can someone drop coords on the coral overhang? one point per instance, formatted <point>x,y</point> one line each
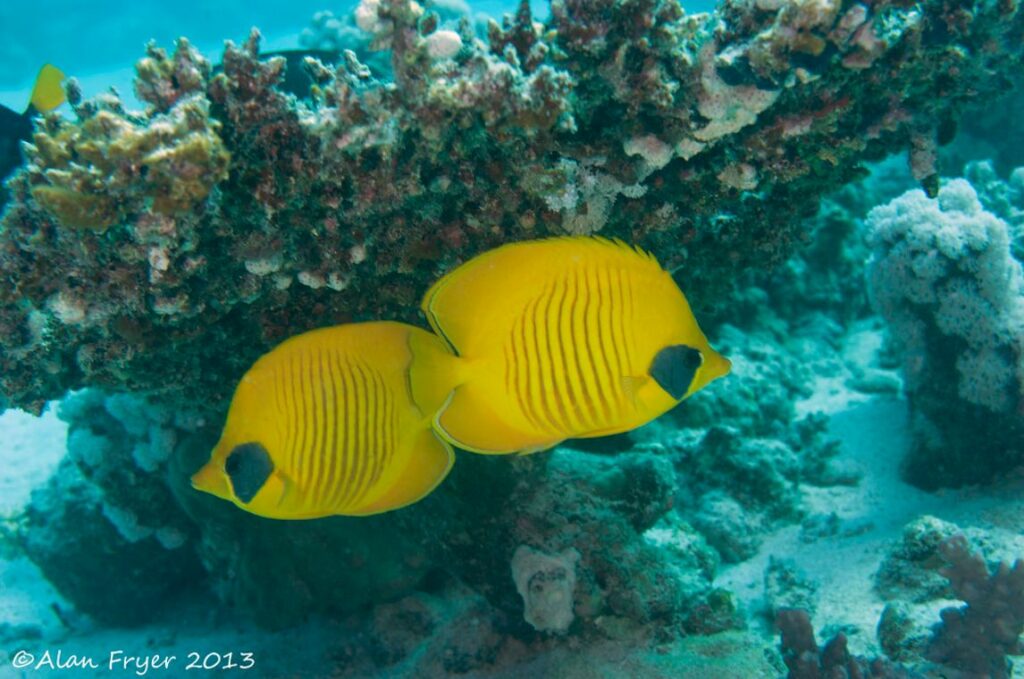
<point>704,138</point>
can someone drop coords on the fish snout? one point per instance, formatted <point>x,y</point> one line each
<point>714,366</point>
<point>212,479</point>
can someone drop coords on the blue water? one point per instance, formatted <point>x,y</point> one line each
<point>88,38</point>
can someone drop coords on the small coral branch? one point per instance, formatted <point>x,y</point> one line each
<point>230,214</point>
<point>976,638</point>
<point>805,660</point>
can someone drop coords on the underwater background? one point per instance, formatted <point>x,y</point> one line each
<point>837,187</point>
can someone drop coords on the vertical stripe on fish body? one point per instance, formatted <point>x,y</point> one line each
<point>326,424</point>
<point>560,338</point>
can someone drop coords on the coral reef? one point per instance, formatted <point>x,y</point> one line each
<point>735,487</point>
<point>708,139</point>
<point>552,542</point>
<point>582,515</point>
<point>111,167</point>
<point>912,571</point>
<point>942,275</point>
<point>932,564</point>
<point>705,138</point>
<point>786,587</point>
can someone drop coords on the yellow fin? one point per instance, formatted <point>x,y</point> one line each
<point>48,93</point>
<point>429,465</point>
<point>467,416</point>
<point>433,371</point>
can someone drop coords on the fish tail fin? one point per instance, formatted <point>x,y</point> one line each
<point>47,94</point>
<point>434,371</point>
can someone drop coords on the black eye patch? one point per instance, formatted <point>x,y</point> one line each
<point>674,369</point>
<point>248,466</point>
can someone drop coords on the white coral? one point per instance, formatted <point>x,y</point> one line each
<point>946,263</point>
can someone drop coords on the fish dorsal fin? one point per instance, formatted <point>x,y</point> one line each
<point>47,94</point>
<point>484,295</point>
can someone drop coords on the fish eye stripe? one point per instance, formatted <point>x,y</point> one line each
<point>248,467</point>
<point>675,367</point>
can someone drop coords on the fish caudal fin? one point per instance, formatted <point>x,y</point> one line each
<point>430,461</point>
<point>469,421</point>
<point>434,371</point>
<point>48,93</point>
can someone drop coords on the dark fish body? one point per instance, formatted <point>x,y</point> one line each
<point>14,129</point>
<point>47,94</point>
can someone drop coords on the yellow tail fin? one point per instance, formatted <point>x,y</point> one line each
<point>434,372</point>
<point>48,93</point>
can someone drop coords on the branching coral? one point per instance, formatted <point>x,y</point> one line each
<point>805,660</point>
<point>942,276</point>
<point>111,166</point>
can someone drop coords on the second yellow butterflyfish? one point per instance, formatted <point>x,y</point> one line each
<point>326,424</point>
<point>553,339</point>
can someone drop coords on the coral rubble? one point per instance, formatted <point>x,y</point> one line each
<point>230,215</point>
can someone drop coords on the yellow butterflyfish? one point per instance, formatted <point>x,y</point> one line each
<point>325,424</point>
<point>48,93</point>
<point>562,338</point>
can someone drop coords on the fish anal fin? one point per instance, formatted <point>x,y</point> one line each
<point>538,449</point>
<point>469,421</point>
<point>430,461</point>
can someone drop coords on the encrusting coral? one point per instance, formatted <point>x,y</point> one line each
<point>704,138</point>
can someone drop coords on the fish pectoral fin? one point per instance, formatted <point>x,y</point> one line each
<point>286,485</point>
<point>468,421</point>
<point>430,461</point>
<point>631,386</point>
